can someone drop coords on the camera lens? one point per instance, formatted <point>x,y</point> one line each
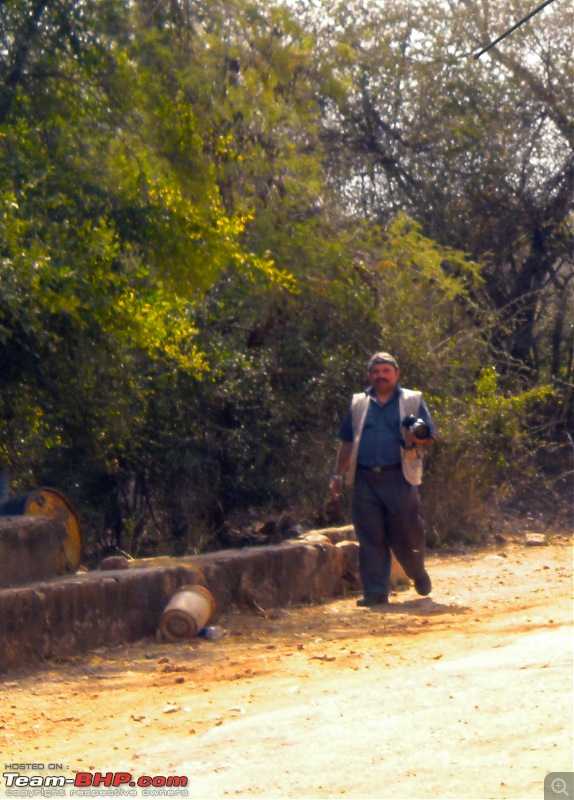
<point>420,429</point>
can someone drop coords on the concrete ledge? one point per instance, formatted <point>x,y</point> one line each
<point>30,549</point>
<point>71,615</point>
<point>280,575</point>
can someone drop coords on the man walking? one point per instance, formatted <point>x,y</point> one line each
<point>381,451</point>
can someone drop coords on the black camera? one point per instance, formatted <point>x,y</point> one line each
<point>418,426</point>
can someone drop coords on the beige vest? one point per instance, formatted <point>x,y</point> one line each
<point>412,460</point>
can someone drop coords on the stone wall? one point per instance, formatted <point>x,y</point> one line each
<point>70,615</point>
<point>30,548</point>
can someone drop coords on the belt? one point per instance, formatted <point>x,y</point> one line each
<point>381,469</point>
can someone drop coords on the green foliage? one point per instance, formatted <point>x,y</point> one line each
<point>428,309</point>
<point>211,217</point>
<point>485,454</point>
<point>478,152</point>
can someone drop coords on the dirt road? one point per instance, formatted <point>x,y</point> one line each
<point>464,694</point>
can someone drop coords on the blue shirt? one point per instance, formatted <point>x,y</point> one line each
<point>381,442</point>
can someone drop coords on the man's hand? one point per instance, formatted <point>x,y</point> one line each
<point>336,486</point>
<point>410,439</point>
<point>341,466</point>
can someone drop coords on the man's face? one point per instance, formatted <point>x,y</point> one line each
<point>383,376</point>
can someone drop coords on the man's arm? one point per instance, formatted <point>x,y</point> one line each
<point>341,465</point>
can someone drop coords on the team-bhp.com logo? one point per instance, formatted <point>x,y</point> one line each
<point>93,780</point>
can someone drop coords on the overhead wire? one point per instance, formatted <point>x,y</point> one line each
<point>476,56</point>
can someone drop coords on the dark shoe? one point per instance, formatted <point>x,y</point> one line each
<point>373,600</point>
<point>423,584</point>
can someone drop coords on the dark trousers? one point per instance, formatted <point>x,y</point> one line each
<point>386,517</point>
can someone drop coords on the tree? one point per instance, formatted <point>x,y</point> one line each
<point>203,238</point>
<point>478,151</point>
<point>105,243</point>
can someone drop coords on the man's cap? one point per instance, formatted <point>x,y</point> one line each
<point>382,358</point>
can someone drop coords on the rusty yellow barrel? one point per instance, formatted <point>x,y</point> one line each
<point>52,504</point>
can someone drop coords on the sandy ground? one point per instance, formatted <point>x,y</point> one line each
<point>465,694</point>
